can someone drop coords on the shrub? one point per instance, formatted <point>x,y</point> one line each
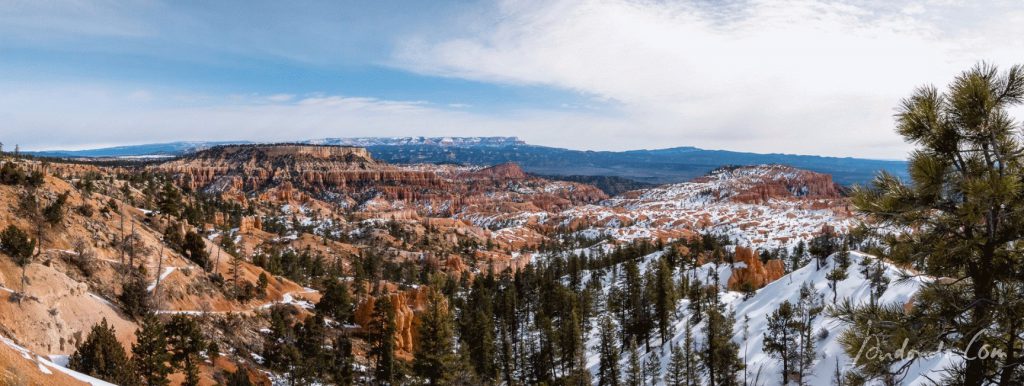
<point>102,356</point>
<point>54,213</point>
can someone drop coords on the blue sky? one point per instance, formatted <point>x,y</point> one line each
<point>797,76</point>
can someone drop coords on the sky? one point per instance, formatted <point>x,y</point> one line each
<point>802,77</point>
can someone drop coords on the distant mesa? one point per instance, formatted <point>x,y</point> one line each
<point>288,150</point>
<point>659,166</point>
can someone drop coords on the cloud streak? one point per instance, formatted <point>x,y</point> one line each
<point>799,76</point>
<point>48,117</point>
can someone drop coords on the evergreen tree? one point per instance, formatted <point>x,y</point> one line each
<point>807,310</point>
<point>434,357</point>
<point>150,357</point>
<point>310,341</point>
<point>780,339</point>
<point>15,242</point>
<point>382,340</point>
<point>54,213</point>
<point>194,248</point>
<point>238,378</point>
<point>169,200</point>
<point>634,371</point>
<point>476,326</point>
<point>652,367</point>
<point>835,276</point>
<point>692,366</point>
<point>336,302</point>
<point>665,299</point>
<point>186,341</point>
<point>608,373</point>
<point>719,353</point>
<point>822,246</point>
<point>342,361</point>
<point>280,348</point>
<point>677,372</point>
<point>134,297</point>
<point>102,356</point>
<point>962,212</point>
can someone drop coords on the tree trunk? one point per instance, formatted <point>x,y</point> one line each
<point>1010,364</point>
<point>974,374</point>
<point>122,237</point>
<point>159,272</point>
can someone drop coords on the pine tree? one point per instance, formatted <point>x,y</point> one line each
<point>477,330</point>
<point>962,211</point>
<point>102,356</point>
<point>665,299</point>
<point>806,312</point>
<point>169,200</point>
<point>434,357</point>
<point>652,367</point>
<point>19,246</point>
<point>677,374</point>
<point>280,351</point>
<point>238,378</point>
<point>780,339</point>
<point>54,213</point>
<point>608,373</point>
<point>382,340</point>
<point>634,371</point>
<point>150,357</point>
<point>194,248</point>
<point>311,339</point>
<point>835,276</point>
<point>719,353</point>
<point>134,297</point>
<point>342,361</point>
<point>336,302</point>
<point>692,367</point>
<point>185,338</point>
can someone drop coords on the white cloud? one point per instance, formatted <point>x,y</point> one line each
<point>55,116</point>
<point>799,76</point>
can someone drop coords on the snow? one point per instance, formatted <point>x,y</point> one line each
<point>46,365</point>
<point>163,275</point>
<point>706,204</point>
<point>767,299</point>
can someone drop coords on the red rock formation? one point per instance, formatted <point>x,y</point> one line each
<point>407,305</point>
<point>758,184</point>
<point>753,274</point>
<point>505,171</point>
<point>250,223</point>
<point>296,173</point>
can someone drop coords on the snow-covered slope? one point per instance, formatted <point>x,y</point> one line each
<point>767,300</point>
<point>764,206</point>
<point>35,369</point>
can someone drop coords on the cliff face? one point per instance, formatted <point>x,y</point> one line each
<point>754,274</point>
<point>758,184</point>
<point>348,174</point>
<point>407,305</point>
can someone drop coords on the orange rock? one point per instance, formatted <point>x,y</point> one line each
<point>407,305</point>
<point>755,274</point>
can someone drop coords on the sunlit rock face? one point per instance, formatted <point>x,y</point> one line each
<point>290,173</point>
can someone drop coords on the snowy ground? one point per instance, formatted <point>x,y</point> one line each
<point>46,366</point>
<point>767,299</point>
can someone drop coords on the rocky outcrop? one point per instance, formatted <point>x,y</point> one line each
<point>749,273</point>
<point>249,224</point>
<point>505,171</point>
<point>758,184</point>
<point>297,173</point>
<point>407,305</point>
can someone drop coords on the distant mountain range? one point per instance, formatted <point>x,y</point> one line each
<point>658,166</point>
